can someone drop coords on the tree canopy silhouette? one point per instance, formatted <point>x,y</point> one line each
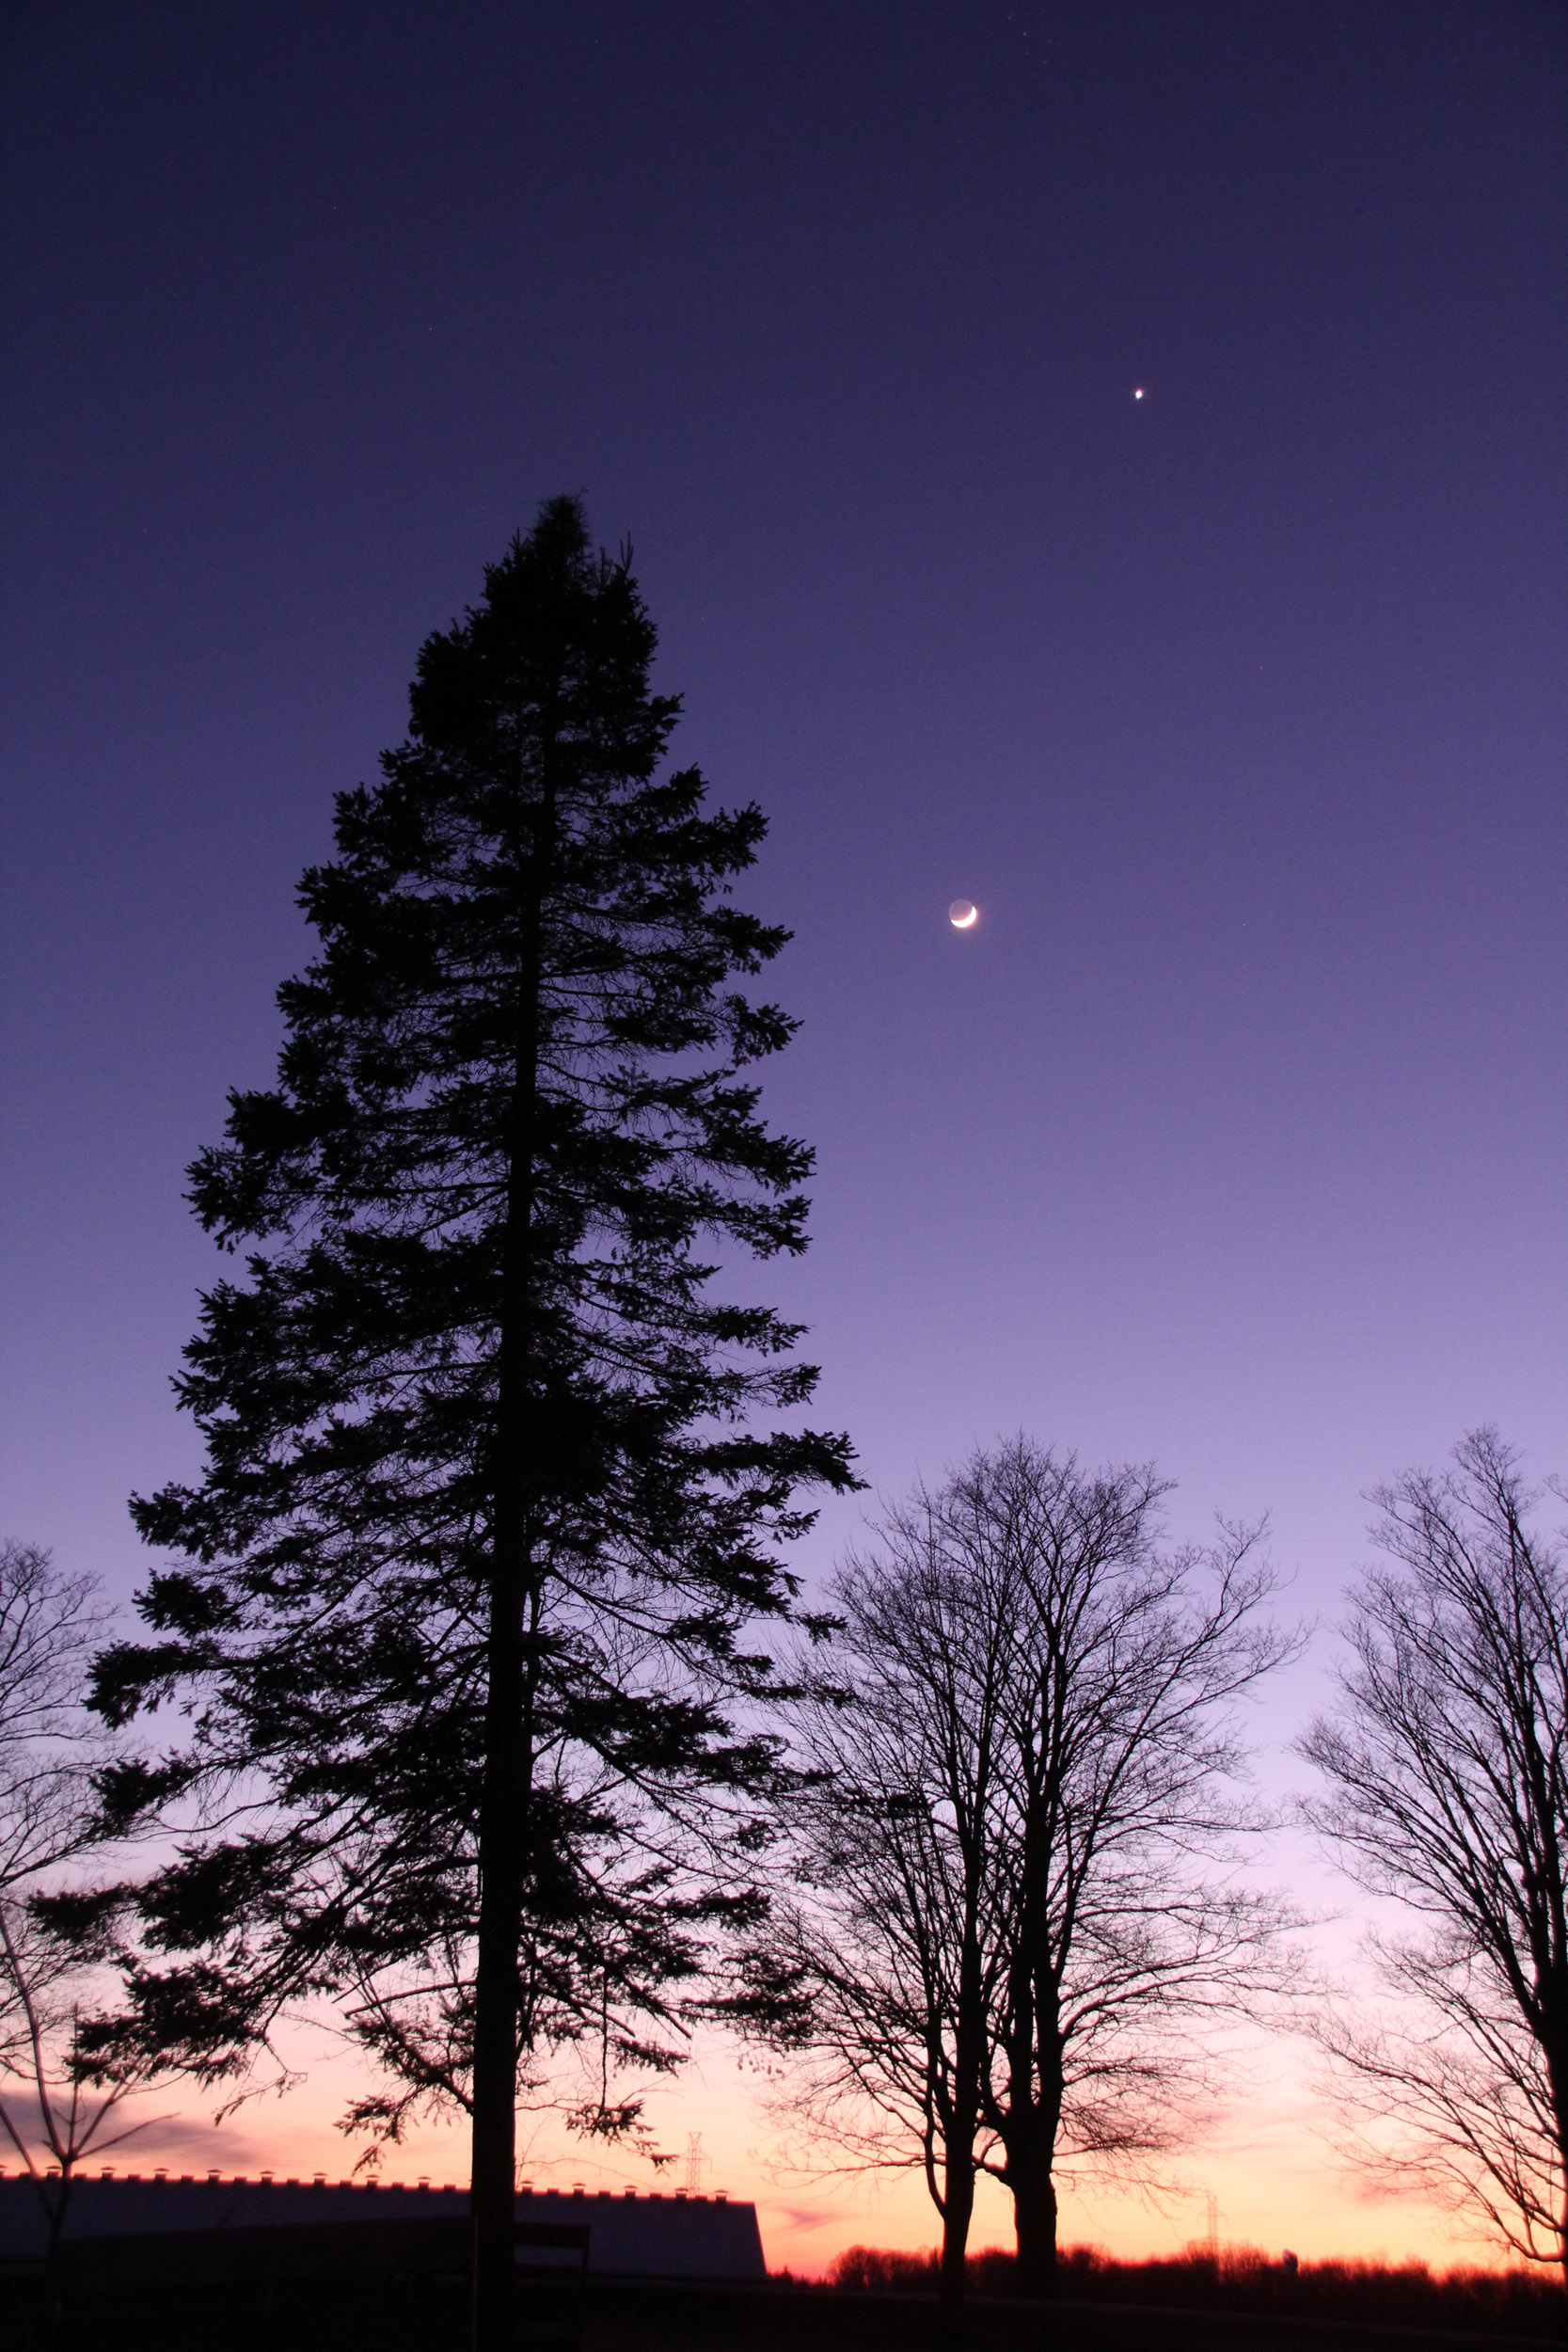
<point>1016,1840</point>
<point>458,1621</point>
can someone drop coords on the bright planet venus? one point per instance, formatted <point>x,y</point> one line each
<point>963,915</point>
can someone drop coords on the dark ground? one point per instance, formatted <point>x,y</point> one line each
<point>672,2318</point>
<point>675,2319</point>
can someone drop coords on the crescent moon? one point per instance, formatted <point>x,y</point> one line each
<point>963,915</point>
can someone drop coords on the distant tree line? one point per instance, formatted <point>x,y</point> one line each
<point>474,1691</point>
<point>1243,2279</point>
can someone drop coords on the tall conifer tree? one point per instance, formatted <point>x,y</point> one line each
<point>461,1599</point>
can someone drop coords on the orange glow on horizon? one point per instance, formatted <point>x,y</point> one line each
<point>1269,2165</point>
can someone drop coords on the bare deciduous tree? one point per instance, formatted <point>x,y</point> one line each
<point>49,1624</point>
<point>1018,1839</point>
<point>1444,1767</point>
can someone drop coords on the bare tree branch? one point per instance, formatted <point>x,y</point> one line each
<point>49,1624</point>
<point>1444,1772</point>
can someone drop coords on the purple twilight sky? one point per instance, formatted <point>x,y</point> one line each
<point>1234,1134</point>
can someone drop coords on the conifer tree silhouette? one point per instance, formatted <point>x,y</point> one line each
<point>460,1602</point>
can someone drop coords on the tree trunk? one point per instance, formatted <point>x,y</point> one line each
<point>495,1993</point>
<point>503,1827</point>
<point>1036,2084</point>
<point>1028,2126</point>
<point>1035,2223</point>
<point>957,2185</point>
<point>53,2311</point>
<point>958,2211</point>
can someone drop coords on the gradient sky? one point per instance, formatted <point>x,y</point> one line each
<point>1235,1133</point>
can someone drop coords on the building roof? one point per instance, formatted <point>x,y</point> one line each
<point>651,2236</point>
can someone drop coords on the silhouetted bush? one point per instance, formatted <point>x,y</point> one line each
<point>880,2270</point>
<point>1243,2279</point>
